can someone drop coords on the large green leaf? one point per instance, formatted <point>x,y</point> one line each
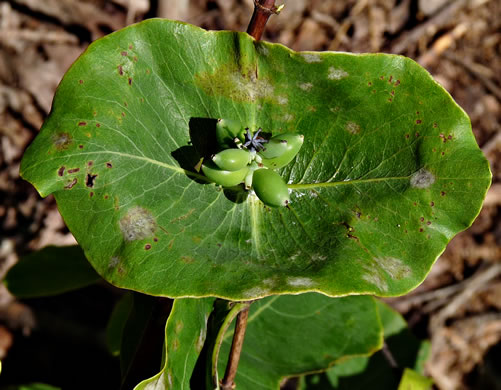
<point>389,171</point>
<point>185,333</point>
<point>50,271</point>
<point>290,335</point>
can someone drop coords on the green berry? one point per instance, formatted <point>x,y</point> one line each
<point>232,159</point>
<point>281,150</point>
<point>270,188</point>
<point>226,132</point>
<point>223,177</point>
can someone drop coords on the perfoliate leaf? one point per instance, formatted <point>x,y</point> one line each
<point>388,173</point>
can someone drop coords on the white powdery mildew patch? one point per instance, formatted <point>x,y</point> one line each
<point>300,282</point>
<point>318,256</point>
<point>114,261</point>
<point>376,279</point>
<point>336,74</point>
<point>394,267</point>
<point>269,282</point>
<point>306,86</point>
<point>256,292</point>
<point>201,339</point>
<point>311,57</point>
<point>158,384</point>
<point>288,117</point>
<point>137,224</point>
<point>422,179</point>
<point>254,88</point>
<point>352,127</point>
<point>282,99</point>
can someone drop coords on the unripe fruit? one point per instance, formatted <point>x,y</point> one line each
<point>232,159</point>
<point>223,177</point>
<point>270,188</point>
<point>281,150</point>
<point>226,132</point>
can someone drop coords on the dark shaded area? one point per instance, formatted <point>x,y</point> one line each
<point>67,347</point>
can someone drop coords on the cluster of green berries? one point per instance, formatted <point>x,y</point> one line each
<point>249,158</point>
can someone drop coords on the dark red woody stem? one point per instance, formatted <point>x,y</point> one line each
<point>236,348</point>
<point>263,9</point>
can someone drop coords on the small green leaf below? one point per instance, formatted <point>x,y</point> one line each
<point>388,173</point>
<point>185,333</point>
<point>50,271</point>
<point>33,386</point>
<point>294,334</point>
<point>117,321</point>
<point>375,372</point>
<point>411,380</point>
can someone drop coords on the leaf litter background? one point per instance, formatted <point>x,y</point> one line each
<point>459,305</point>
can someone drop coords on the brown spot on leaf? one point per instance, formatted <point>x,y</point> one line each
<point>98,124</point>
<point>147,247</point>
<point>421,230</point>
<point>108,165</point>
<point>435,125</point>
<point>82,123</point>
<point>155,239</point>
<point>89,180</point>
<point>390,100</point>
<point>428,223</point>
<point>106,196</point>
<point>130,80</point>
<point>418,121</point>
<point>80,146</point>
<point>60,171</point>
<point>123,114</point>
<point>417,134</point>
<point>125,104</point>
<point>91,194</point>
<point>73,170</point>
<point>90,163</point>
<point>124,54</point>
<point>71,184</point>
<point>407,136</point>
<point>135,59</point>
<point>432,204</point>
<point>381,77</point>
<point>120,70</point>
<point>80,81</point>
<point>421,219</point>
<point>390,79</point>
<point>369,83</point>
<point>442,193</point>
<point>187,259</point>
<point>397,83</point>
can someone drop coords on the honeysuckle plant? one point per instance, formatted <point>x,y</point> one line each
<point>384,171</point>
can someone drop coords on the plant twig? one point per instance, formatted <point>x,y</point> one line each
<point>263,9</point>
<point>236,349</point>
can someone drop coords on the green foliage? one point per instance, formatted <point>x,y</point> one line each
<point>375,372</point>
<point>50,271</point>
<point>185,333</point>
<point>291,335</point>
<point>117,321</point>
<point>388,173</point>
